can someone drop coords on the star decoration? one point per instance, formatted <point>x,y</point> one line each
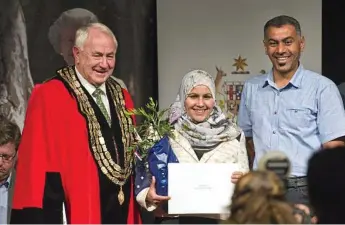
<point>240,63</point>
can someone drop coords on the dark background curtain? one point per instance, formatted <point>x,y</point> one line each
<point>333,33</point>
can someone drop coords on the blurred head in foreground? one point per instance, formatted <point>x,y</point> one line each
<point>259,197</point>
<point>326,185</point>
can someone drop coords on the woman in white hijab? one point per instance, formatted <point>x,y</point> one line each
<point>202,134</point>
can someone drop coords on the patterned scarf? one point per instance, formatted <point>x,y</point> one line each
<point>209,133</point>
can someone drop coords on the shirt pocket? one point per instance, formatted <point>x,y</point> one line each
<point>297,118</point>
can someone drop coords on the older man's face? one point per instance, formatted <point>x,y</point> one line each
<point>96,60</point>
<point>66,44</point>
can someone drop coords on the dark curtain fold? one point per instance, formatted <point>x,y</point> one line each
<point>332,40</point>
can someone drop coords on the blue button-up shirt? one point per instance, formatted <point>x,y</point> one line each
<point>296,119</point>
<point>4,200</point>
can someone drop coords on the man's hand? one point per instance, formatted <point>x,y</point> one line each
<point>236,176</point>
<point>303,219</point>
<point>338,142</point>
<point>152,197</point>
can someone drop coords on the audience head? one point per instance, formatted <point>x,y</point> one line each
<point>9,141</point>
<point>326,184</point>
<point>275,161</point>
<point>259,197</point>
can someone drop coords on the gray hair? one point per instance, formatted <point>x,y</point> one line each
<point>73,18</point>
<point>83,32</point>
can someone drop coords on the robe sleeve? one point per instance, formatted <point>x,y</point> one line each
<point>38,192</point>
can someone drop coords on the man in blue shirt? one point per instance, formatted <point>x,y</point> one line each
<point>290,109</point>
<point>9,141</point>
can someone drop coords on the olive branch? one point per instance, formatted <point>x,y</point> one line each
<point>154,127</point>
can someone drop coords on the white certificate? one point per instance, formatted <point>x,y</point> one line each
<point>200,188</point>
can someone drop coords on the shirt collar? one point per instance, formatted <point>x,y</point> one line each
<point>295,81</point>
<point>7,182</point>
<point>89,87</point>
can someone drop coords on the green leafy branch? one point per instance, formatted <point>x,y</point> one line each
<point>154,127</point>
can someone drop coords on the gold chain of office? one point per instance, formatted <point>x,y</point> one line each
<point>113,171</point>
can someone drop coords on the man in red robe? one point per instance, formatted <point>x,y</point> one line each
<point>75,141</point>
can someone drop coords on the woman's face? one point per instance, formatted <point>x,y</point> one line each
<point>199,103</point>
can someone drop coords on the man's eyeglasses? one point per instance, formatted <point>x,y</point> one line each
<point>7,158</point>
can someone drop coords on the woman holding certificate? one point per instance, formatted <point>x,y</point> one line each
<point>201,134</point>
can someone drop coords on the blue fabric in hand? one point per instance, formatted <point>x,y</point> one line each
<point>158,158</point>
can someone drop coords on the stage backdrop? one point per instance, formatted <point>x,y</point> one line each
<point>204,34</point>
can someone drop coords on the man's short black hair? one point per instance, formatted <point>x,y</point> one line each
<point>282,20</point>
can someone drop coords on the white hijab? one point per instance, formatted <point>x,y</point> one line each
<point>208,134</point>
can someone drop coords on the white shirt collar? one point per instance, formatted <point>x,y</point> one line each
<point>9,177</point>
<point>8,180</point>
<point>89,87</point>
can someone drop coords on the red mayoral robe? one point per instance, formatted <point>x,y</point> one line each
<point>70,154</point>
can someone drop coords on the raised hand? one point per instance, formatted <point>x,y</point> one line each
<point>152,197</point>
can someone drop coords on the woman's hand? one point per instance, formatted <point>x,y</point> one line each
<point>152,198</point>
<point>236,176</point>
